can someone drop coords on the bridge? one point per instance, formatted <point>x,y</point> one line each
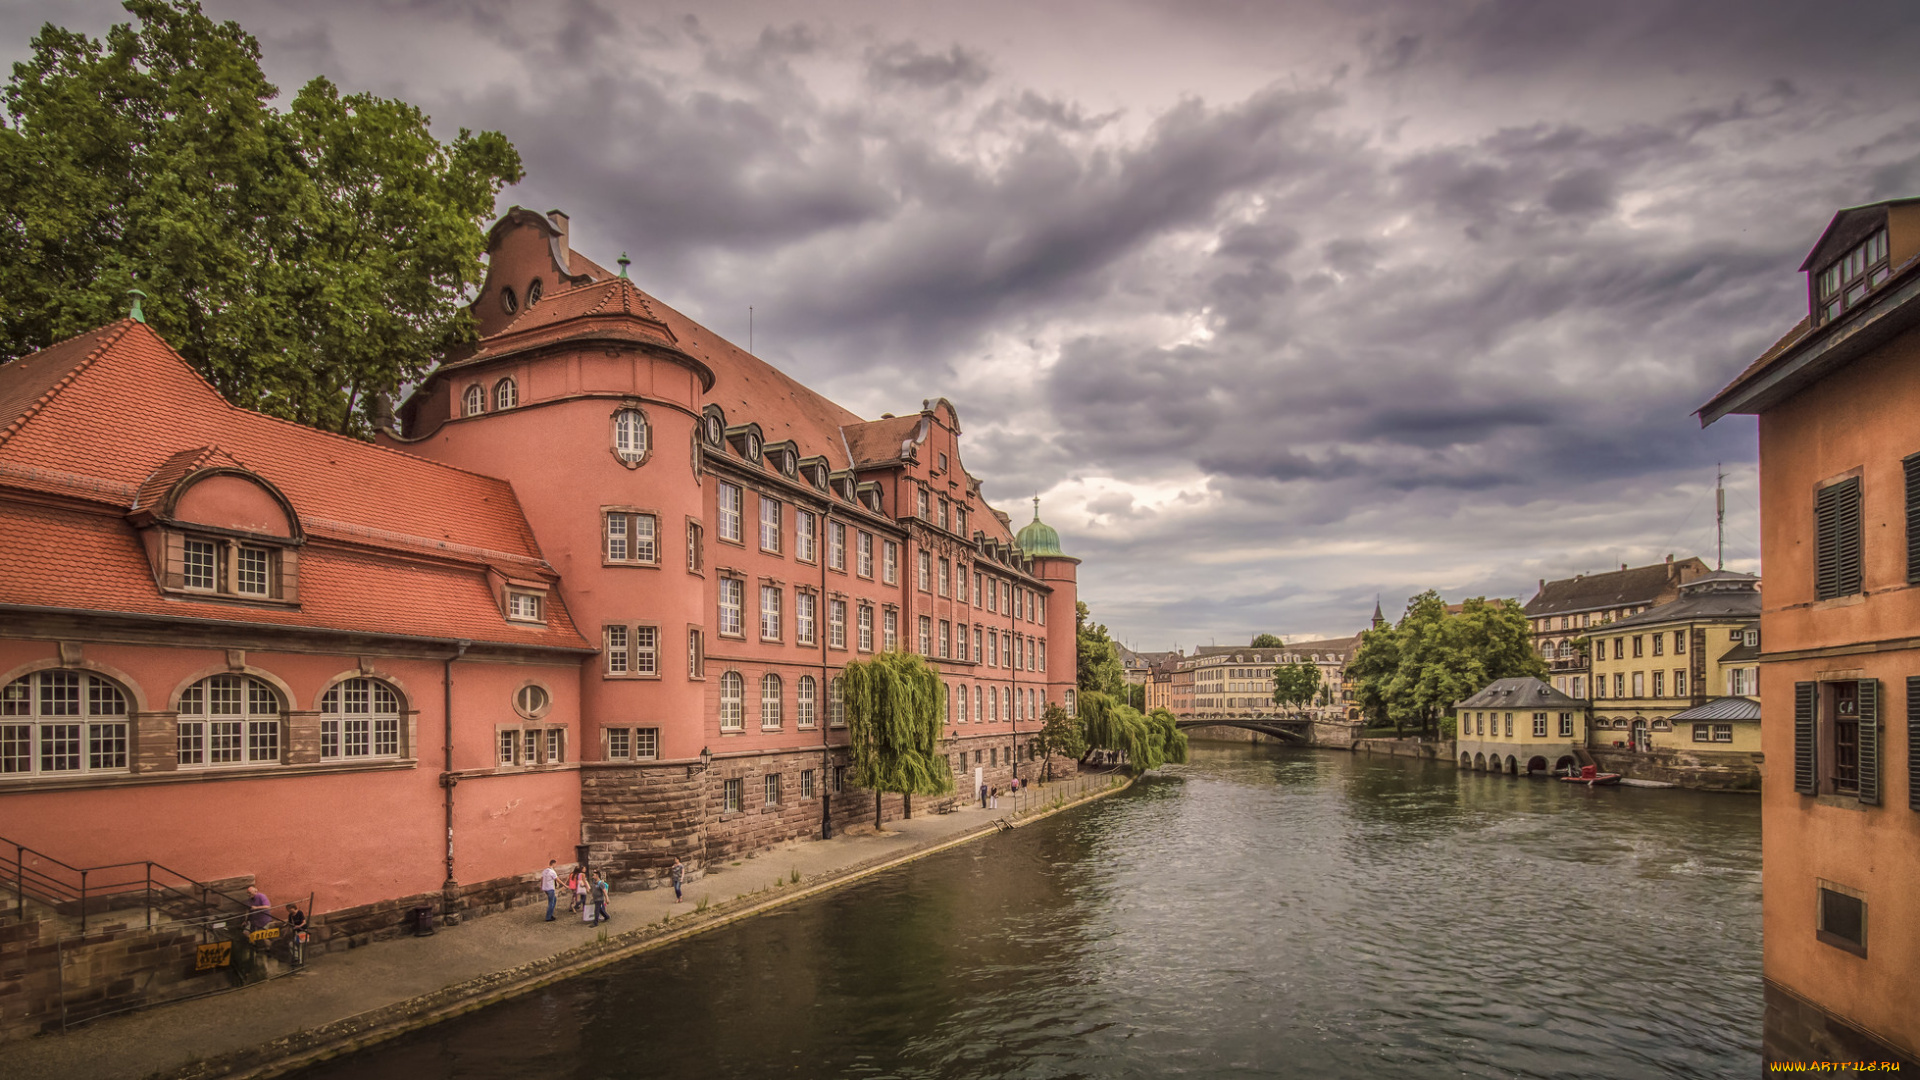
<point>1302,730</point>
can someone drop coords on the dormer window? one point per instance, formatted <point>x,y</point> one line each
<point>506,394</point>
<point>716,427</point>
<point>508,303</point>
<point>1846,282</point>
<point>475,401</point>
<point>752,446</point>
<point>534,289</point>
<point>818,475</point>
<point>524,606</point>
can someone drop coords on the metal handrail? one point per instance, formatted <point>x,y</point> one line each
<point>40,882</point>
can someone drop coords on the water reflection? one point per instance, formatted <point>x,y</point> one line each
<point>1261,911</point>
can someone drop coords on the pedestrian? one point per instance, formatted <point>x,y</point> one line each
<point>259,909</point>
<point>993,798</point>
<point>679,873</point>
<point>983,796</point>
<point>548,879</point>
<point>573,890</point>
<point>296,935</point>
<point>586,895</point>
<point>582,884</point>
<point>601,888</point>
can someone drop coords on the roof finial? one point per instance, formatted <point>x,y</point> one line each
<point>624,263</point>
<point>136,314</point>
<point>1036,507</point>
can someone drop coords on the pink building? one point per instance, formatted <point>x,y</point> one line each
<point>608,549</point>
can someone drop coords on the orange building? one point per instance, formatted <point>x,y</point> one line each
<point>1840,622</point>
<point>590,602</point>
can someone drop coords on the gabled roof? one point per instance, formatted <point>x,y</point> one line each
<point>124,384</point>
<point>1614,588</point>
<point>1721,595</point>
<point>1521,693</point>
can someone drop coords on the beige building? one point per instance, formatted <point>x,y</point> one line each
<point>1677,657</point>
<point>1520,726</point>
<point>1565,611</point>
<point>1237,681</point>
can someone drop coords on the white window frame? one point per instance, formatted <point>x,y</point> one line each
<point>771,694</point>
<point>836,624</point>
<point>473,402</point>
<point>506,394</point>
<point>805,532</point>
<point>837,546</point>
<point>525,605</point>
<point>728,503</point>
<point>863,619</point>
<point>733,692</point>
<point>630,435</point>
<point>732,600</point>
<point>805,605</point>
<point>806,706</point>
<point>889,562</point>
<point>889,630</point>
<point>51,717</point>
<point>770,612</point>
<point>770,514</point>
<point>253,735</point>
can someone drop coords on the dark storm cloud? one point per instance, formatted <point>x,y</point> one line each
<point>1304,303</point>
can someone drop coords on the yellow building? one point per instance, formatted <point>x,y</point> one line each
<point>1519,726</point>
<point>1675,657</point>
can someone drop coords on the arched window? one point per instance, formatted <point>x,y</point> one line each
<point>837,702</point>
<point>630,435</point>
<point>803,702</point>
<point>733,691</point>
<point>963,703</point>
<point>949,703</point>
<point>229,720</point>
<point>359,718</point>
<point>58,722</point>
<point>770,701</point>
<point>506,394</point>
<point>993,703</point>
<point>475,401</point>
<point>1033,709</point>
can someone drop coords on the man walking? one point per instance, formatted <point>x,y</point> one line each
<point>679,875</point>
<point>548,879</point>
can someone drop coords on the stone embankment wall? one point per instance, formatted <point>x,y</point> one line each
<point>1413,748</point>
<point>47,979</point>
<point>1704,770</point>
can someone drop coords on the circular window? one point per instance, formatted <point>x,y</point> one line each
<point>534,289</point>
<point>532,701</point>
<point>507,302</point>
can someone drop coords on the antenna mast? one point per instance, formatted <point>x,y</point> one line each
<point>750,351</point>
<point>1719,517</point>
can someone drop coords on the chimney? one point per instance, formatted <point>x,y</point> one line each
<point>1623,566</point>
<point>559,221</point>
<point>1543,584</point>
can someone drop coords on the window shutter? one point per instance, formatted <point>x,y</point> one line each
<point>1912,465</point>
<point>1869,771</point>
<point>1913,741</point>
<point>1804,775</point>
<point>1849,539</point>
<point>1837,532</point>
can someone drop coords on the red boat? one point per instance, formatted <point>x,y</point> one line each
<point>1591,777</point>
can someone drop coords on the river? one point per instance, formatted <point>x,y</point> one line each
<point>1260,911</point>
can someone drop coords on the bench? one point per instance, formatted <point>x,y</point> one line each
<point>945,806</point>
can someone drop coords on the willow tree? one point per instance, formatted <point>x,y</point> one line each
<point>896,706</point>
<point>1146,742</point>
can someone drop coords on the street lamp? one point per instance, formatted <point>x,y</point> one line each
<point>706,758</point>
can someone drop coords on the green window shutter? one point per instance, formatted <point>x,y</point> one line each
<point>1870,741</point>
<point>1913,741</point>
<point>1836,516</point>
<point>1804,774</point>
<point>1912,466</point>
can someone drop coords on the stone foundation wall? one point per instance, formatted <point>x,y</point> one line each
<point>44,980</point>
<point>1413,748</point>
<point>1705,770</point>
<point>1210,733</point>
<point>1795,1029</point>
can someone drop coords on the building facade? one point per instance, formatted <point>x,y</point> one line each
<point>1675,657</point>
<point>1519,726</point>
<point>1840,634</point>
<point>589,601</point>
<point>1562,613</point>
<point>1229,681</point>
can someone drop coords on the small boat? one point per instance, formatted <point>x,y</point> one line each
<point>1599,779</point>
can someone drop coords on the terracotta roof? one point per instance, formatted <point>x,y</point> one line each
<point>1615,588</point>
<point>74,559</point>
<point>600,310</point>
<point>874,441</point>
<point>123,387</point>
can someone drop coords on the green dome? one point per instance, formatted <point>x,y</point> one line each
<point>1038,538</point>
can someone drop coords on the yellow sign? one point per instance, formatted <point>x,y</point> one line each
<point>268,934</point>
<point>210,957</point>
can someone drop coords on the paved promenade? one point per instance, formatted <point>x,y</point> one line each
<point>343,1000</point>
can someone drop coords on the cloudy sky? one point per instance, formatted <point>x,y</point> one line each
<point>1279,307</point>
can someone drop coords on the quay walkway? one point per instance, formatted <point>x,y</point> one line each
<point>344,1000</point>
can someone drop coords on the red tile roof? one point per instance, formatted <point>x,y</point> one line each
<point>116,416</point>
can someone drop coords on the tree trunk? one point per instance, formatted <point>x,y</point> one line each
<point>906,799</point>
<point>876,810</point>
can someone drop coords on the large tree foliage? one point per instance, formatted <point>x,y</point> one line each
<point>1144,742</point>
<point>1411,673</point>
<point>1060,733</point>
<point>305,261</point>
<point>1267,641</point>
<point>896,709</point>
<point>1099,668</point>
<point>1295,685</point>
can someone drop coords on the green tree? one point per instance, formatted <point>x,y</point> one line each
<point>1099,667</point>
<point>1295,684</point>
<point>1060,733</point>
<point>1144,742</point>
<point>896,706</point>
<point>1413,672</point>
<point>1137,696</point>
<point>306,261</point>
<point>1267,641</point>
